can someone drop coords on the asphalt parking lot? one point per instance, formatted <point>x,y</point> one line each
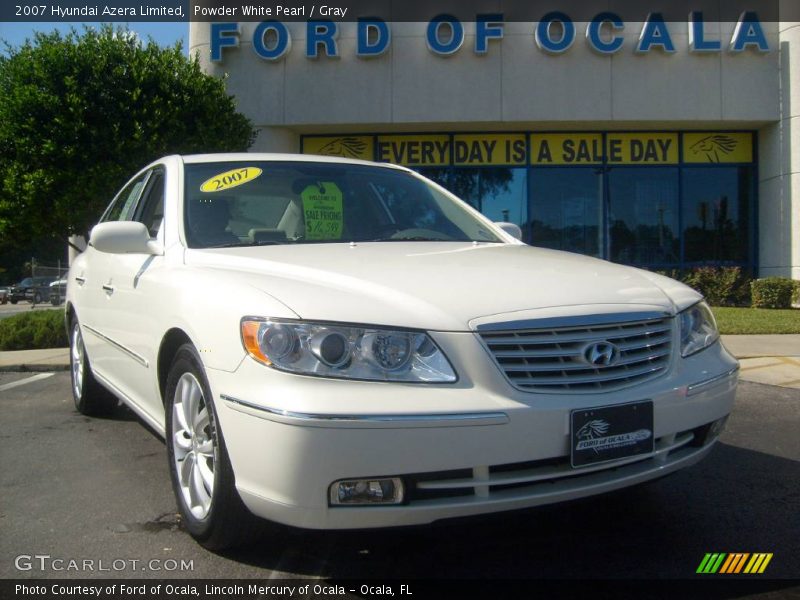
<point>98,490</point>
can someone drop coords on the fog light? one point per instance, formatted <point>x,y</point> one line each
<point>367,491</point>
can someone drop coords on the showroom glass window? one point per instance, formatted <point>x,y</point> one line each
<point>717,220</point>
<point>567,209</point>
<point>643,216</point>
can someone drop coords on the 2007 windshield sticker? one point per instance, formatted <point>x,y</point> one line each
<point>230,179</point>
<point>322,209</point>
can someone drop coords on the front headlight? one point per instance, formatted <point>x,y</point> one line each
<point>698,329</point>
<point>333,350</point>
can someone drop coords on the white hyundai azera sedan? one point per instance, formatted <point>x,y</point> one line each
<point>330,343</point>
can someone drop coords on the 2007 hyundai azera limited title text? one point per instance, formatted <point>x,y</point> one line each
<point>331,343</point>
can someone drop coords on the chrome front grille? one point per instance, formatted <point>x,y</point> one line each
<point>559,359</point>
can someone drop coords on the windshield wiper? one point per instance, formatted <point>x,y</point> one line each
<point>246,244</point>
<point>413,238</point>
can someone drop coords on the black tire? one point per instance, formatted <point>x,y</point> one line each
<point>55,300</point>
<point>216,517</point>
<point>91,398</point>
<point>13,301</point>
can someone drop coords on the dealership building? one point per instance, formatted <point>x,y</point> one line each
<point>652,142</point>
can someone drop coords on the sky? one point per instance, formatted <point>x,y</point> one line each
<point>165,34</point>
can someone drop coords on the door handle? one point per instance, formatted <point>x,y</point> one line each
<point>108,288</point>
<point>80,280</point>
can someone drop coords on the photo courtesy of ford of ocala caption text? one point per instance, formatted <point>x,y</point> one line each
<point>330,343</point>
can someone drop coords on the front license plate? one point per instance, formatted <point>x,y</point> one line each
<point>611,432</point>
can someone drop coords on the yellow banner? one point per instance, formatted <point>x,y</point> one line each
<point>717,147</point>
<point>414,150</point>
<point>566,148</point>
<point>642,148</point>
<point>346,146</point>
<point>509,149</point>
<point>489,149</point>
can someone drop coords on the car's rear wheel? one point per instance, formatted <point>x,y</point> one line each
<point>200,469</point>
<point>90,397</point>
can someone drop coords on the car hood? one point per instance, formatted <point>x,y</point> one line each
<point>441,285</point>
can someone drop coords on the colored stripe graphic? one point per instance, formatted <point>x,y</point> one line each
<point>711,562</point>
<point>718,562</point>
<point>734,563</point>
<point>758,563</point>
<point>741,562</point>
<point>703,563</point>
<point>732,558</point>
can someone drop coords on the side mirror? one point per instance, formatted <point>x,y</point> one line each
<point>123,237</point>
<point>511,229</point>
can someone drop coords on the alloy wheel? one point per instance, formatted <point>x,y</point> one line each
<point>195,451</point>
<point>78,359</point>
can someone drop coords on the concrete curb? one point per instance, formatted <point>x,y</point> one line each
<point>25,361</point>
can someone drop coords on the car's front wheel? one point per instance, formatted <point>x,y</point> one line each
<point>200,469</point>
<point>90,397</point>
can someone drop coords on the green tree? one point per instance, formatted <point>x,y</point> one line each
<point>82,112</point>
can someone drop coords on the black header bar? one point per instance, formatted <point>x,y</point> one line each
<point>125,11</point>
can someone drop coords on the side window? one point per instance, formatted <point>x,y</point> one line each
<point>150,210</point>
<point>121,208</point>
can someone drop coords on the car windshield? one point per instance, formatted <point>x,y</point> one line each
<point>251,203</point>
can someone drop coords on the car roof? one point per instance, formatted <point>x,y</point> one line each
<point>270,156</point>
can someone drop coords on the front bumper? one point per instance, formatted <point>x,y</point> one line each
<point>476,446</point>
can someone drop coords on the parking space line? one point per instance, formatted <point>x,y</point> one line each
<point>37,377</point>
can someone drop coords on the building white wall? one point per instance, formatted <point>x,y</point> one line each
<point>779,168</point>
<point>514,83</point>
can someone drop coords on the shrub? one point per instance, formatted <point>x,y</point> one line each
<point>772,292</point>
<point>721,286</point>
<point>716,285</point>
<point>33,330</point>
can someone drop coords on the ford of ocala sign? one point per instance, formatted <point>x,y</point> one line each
<point>444,35</point>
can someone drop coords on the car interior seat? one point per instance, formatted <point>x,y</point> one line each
<point>208,222</point>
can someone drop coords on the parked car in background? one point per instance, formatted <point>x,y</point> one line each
<point>58,291</point>
<point>32,289</point>
<point>382,353</point>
